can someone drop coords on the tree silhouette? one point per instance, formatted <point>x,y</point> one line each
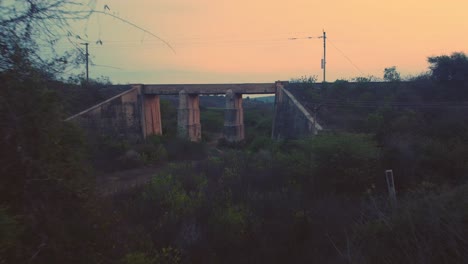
<point>26,26</point>
<point>449,68</point>
<point>391,74</point>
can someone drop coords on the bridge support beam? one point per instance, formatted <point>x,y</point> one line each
<point>151,115</point>
<point>233,117</point>
<point>188,116</point>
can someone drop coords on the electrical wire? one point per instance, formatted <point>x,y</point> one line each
<point>105,66</point>
<point>206,43</point>
<point>198,40</point>
<point>344,55</point>
<point>299,38</point>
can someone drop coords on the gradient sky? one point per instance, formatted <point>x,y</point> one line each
<point>247,41</point>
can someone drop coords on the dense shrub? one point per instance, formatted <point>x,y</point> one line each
<point>426,227</point>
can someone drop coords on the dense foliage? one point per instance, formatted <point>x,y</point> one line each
<point>321,199</point>
<point>282,204</point>
<point>44,187</point>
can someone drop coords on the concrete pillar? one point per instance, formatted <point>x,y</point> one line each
<point>138,88</point>
<point>233,117</point>
<point>188,116</point>
<point>152,115</point>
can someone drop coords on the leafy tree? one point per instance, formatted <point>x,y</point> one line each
<point>44,186</point>
<point>43,181</point>
<point>449,68</point>
<point>29,26</point>
<point>391,74</point>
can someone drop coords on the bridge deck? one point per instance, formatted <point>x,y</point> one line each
<point>243,88</point>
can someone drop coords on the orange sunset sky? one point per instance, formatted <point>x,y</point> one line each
<point>248,41</point>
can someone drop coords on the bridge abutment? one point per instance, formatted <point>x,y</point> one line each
<point>291,119</point>
<point>233,117</point>
<point>188,116</point>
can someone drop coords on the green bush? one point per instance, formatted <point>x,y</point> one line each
<point>152,150</point>
<point>137,258</point>
<point>424,228</point>
<point>261,142</point>
<point>10,232</point>
<point>346,163</point>
<point>330,163</point>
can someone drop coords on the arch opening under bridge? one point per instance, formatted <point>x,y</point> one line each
<point>188,111</point>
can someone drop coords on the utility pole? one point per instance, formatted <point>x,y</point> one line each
<point>324,60</point>
<point>87,62</point>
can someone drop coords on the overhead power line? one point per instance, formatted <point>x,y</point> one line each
<point>135,26</point>
<point>303,38</point>
<point>346,57</point>
<point>324,59</point>
<point>190,43</point>
<point>106,66</point>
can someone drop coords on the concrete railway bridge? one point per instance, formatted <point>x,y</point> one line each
<point>135,113</point>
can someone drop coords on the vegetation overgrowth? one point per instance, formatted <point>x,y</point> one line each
<point>320,199</point>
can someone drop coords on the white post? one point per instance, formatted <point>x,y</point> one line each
<point>391,186</point>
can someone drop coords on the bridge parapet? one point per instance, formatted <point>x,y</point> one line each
<point>207,89</point>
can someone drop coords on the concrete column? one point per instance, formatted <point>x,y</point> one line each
<point>152,115</point>
<point>138,89</point>
<point>188,116</point>
<point>233,117</point>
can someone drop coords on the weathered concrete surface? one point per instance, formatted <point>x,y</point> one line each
<point>135,114</point>
<point>238,88</point>
<point>119,116</point>
<point>291,119</point>
<point>188,116</point>
<point>233,117</point>
<point>152,114</point>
